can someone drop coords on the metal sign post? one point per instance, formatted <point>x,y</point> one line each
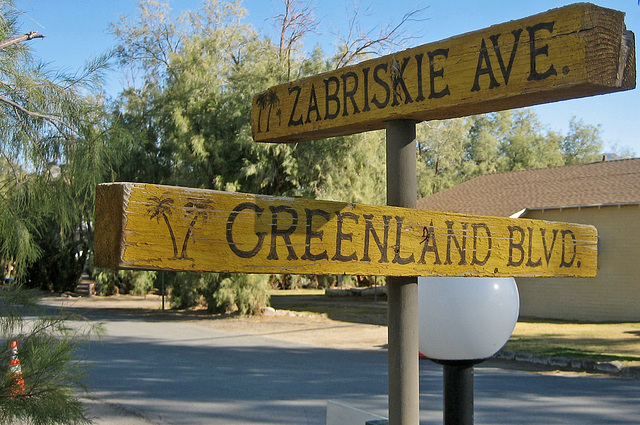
<point>402,304</point>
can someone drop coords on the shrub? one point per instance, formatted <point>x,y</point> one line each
<point>185,289</point>
<point>124,281</point>
<point>286,281</point>
<point>219,292</point>
<point>248,294</point>
<point>63,257</point>
<point>49,349</point>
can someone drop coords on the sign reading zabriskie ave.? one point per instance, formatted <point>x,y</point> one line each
<point>575,51</point>
<point>144,226</point>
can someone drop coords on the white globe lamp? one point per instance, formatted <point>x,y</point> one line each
<point>462,321</point>
<point>466,318</point>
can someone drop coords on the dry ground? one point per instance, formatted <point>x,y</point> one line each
<point>288,325</point>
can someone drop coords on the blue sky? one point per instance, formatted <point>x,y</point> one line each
<point>77,30</point>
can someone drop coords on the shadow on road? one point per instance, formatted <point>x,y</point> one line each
<point>361,309</point>
<point>217,377</point>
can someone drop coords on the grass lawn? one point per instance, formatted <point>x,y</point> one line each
<point>594,341</point>
<point>347,309</point>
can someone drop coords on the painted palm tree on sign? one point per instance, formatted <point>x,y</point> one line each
<point>161,207</point>
<point>196,207</point>
<point>267,99</point>
<point>261,101</point>
<point>272,100</point>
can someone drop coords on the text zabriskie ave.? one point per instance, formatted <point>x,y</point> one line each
<point>539,59</point>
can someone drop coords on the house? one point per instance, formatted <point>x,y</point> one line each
<point>604,194</point>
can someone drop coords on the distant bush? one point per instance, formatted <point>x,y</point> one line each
<point>185,290</point>
<point>219,292</point>
<point>248,294</point>
<point>132,282</point>
<point>287,281</point>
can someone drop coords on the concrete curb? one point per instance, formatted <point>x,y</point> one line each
<point>567,364</point>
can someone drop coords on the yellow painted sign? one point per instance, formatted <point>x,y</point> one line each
<point>144,226</point>
<point>565,53</point>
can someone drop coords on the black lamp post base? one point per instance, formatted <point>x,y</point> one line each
<point>458,391</point>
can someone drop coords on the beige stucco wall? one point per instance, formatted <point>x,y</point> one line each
<point>614,295</point>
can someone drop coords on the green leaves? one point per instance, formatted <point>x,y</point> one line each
<point>582,143</point>
<point>52,154</point>
<point>47,345</point>
<point>453,151</point>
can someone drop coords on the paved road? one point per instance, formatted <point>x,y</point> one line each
<point>152,372</point>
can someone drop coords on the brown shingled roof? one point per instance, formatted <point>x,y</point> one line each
<point>504,194</point>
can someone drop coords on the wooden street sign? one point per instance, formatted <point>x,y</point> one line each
<point>152,227</point>
<point>575,51</point>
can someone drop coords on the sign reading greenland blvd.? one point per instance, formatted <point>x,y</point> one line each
<point>144,226</point>
<point>575,51</point>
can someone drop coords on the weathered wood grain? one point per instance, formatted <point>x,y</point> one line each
<point>144,226</point>
<point>565,53</point>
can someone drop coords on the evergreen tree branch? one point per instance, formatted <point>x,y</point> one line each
<point>50,118</point>
<point>20,38</point>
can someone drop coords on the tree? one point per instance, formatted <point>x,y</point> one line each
<point>486,135</point>
<point>53,154</point>
<point>525,145</point>
<point>199,72</point>
<point>196,109</point>
<point>441,154</point>
<point>582,143</point>
<point>149,42</point>
<point>361,43</point>
<point>192,100</point>
<point>294,23</point>
<point>453,151</point>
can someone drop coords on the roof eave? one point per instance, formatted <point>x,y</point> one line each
<point>522,212</point>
